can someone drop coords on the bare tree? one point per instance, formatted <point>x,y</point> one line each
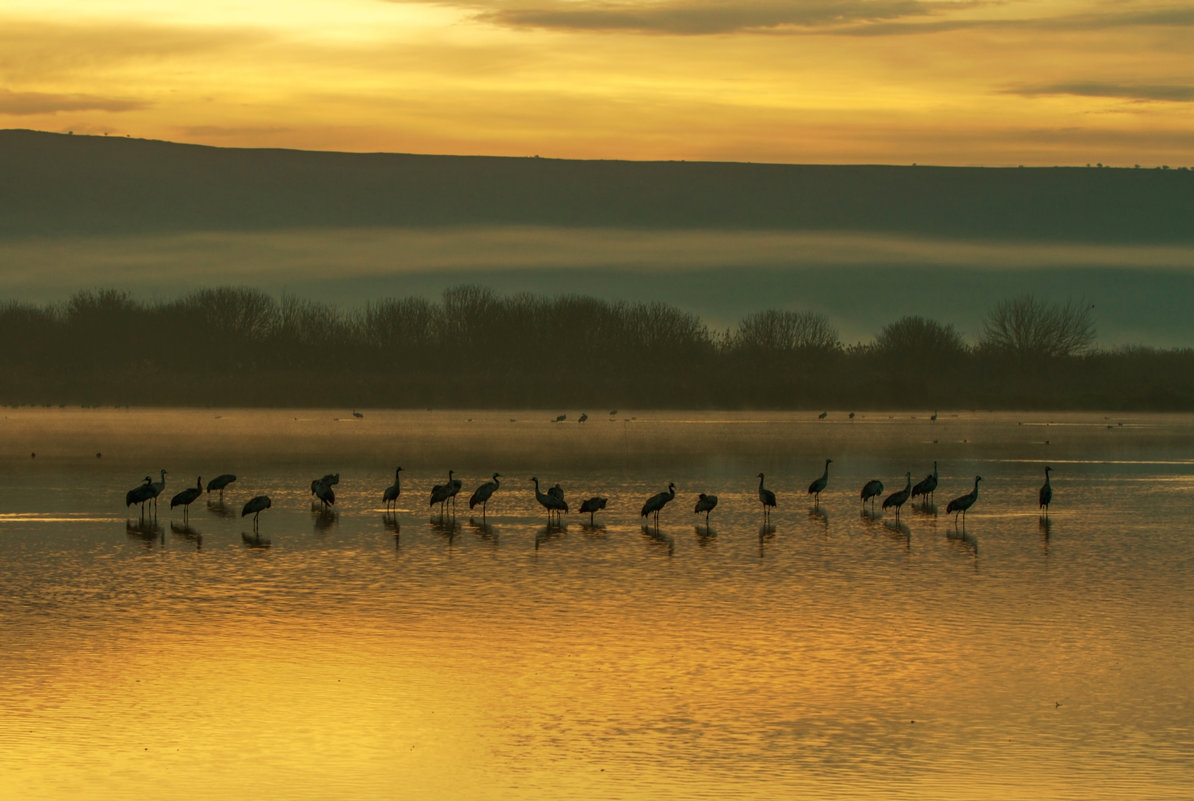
<point>774,330</point>
<point>1026,326</point>
<point>914,338</point>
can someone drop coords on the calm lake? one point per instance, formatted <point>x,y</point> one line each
<point>829,653</point>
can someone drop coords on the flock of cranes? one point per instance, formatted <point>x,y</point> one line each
<point>553,499</point>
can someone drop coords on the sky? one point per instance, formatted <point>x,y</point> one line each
<point>956,82</point>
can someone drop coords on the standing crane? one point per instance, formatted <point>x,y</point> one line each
<point>549,501</point>
<point>255,507</point>
<point>960,504</point>
<point>705,503</point>
<point>391,493</point>
<point>767,498</point>
<point>1046,494</point>
<point>440,494</point>
<point>898,499</point>
<point>818,486</point>
<point>483,493</point>
<point>870,491</point>
<point>218,483</point>
<point>927,485</point>
<point>187,497</point>
<point>158,488</point>
<point>140,494</point>
<point>657,501</point>
<point>593,506</point>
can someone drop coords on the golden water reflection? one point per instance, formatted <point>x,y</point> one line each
<point>825,654</point>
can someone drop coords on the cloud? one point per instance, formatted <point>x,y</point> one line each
<point>1168,93</point>
<point>833,17</point>
<point>703,17</point>
<point>31,103</point>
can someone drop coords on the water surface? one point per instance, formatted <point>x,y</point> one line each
<point>829,653</point>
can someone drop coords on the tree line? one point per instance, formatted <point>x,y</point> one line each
<point>232,346</point>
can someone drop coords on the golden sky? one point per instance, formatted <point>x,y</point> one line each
<point>962,82</point>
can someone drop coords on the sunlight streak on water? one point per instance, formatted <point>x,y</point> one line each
<point>830,653</point>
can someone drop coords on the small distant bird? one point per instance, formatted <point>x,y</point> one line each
<point>218,483</point>
<point>851,415</point>
<point>657,501</point>
<point>357,415</point>
<point>1046,494</point>
<point>187,497</point>
<point>927,485</point>
<point>483,493</point>
<point>255,507</point>
<point>766,497</point>
<point>933,419</point>
<point>593,506</point>
<point>870,491</point>
<point>818,486</point>
<point>822,415</point>
<point>560,418</point>
<point>705,503</point>
<point>899,498</point>
<point>583,417</point>
<point>960,504</point>
<point>612,412</point>
<point>391,493</point>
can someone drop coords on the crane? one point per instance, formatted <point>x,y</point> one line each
<point>818,486</point>
<point>483,493</point>
<point>960,504</point>
<point>657,501</point>
<point>187,497</point>
<point>705,503</point>
<point>899,498</point>
<point>390,496</point>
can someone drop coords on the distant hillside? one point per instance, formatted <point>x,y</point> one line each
<point>62,185</point>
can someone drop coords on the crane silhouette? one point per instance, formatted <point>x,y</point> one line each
<point>140,494</point>
<point>391,493</point>
<point>818,486</point>
<point>870,491</point>
<point>705,503</point>
<point>927,485</point>
<point>255,507</point>
<point>323,491</point>
<point>455,485</point>
<point>657,501</point>
<point>767,498</point>
<point>440,494</point>
<point>158,488</point>
<point>960,504</point>
<point>549,501</point>
<point>593,506</point>
<point>483,493</point>
<point>187,497</point>
<point>899,498</point>
<point>218,483</point>
<point>1046,494</point>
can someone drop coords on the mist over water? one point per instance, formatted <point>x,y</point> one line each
<point>830,653</point>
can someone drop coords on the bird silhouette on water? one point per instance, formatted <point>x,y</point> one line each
<point>1045,497</point>
<point>705,503</point>
<point>440,493</point>
<point>899,498</point>
<point>140,494</point>
<point>187,497</point>
<point>593,506</point>
<point>218,483</point>
<point>255,507</point>
<point>553,504</point>
<point>960,504</point>
<point>657,501</point>
<point>483,493</point>
<point>870,491</point>
<point>322,490</point>
<point>927,485</point>
<point>391,493</point>
<point>767,498</point>
<point>818,486</point>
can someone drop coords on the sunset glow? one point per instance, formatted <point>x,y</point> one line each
<point>839,82</point>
